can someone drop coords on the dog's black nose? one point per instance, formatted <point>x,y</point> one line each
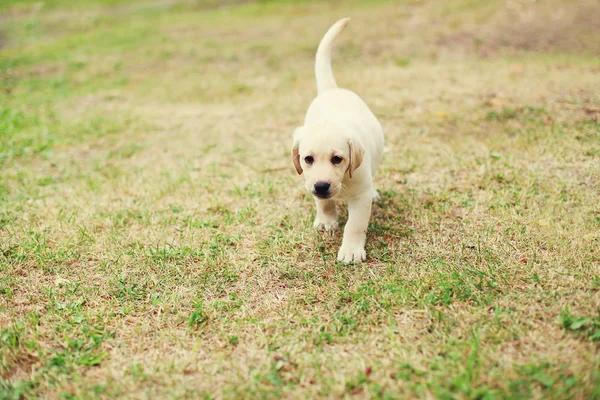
<point>322,188</point>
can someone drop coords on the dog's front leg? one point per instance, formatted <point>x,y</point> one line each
<point>326,215</point>
<point>355,232</point>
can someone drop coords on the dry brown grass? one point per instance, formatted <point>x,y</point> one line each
<point>549,27</point>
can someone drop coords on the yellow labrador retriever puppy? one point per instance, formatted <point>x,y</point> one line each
<point>338,150</point>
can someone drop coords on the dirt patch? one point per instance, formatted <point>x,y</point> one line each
<point>555,26</point>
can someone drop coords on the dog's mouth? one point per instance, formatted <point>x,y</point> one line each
<point>324,196</point>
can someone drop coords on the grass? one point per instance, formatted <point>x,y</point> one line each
<point>156,242</point>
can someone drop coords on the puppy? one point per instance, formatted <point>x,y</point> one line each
<point>338,150</point>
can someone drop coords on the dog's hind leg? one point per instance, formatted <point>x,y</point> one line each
<point>376,197</point>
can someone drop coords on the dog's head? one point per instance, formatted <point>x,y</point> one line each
<point>324,153</point>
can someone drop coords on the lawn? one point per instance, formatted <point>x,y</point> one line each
<point>156,242</point>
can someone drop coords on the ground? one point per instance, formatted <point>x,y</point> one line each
<point>156,242</point>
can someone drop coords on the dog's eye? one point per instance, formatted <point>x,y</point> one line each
<point>336,160</point>
<point>309,160</point>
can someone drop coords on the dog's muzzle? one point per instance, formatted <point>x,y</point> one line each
<point>321,190</point>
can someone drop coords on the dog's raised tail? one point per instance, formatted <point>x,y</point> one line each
<point>323,72</point>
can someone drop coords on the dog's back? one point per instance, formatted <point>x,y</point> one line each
<point>333,102</point>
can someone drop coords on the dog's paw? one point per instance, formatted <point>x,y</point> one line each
<point>352,254</point>
<point>325,225</point>
<point>377,197</point>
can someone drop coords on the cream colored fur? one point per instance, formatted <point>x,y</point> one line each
<point>340,145</point>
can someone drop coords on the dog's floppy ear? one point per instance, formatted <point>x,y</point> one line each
<point>356,155</point>
<point>295,151</point>
<point>296,158</point>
